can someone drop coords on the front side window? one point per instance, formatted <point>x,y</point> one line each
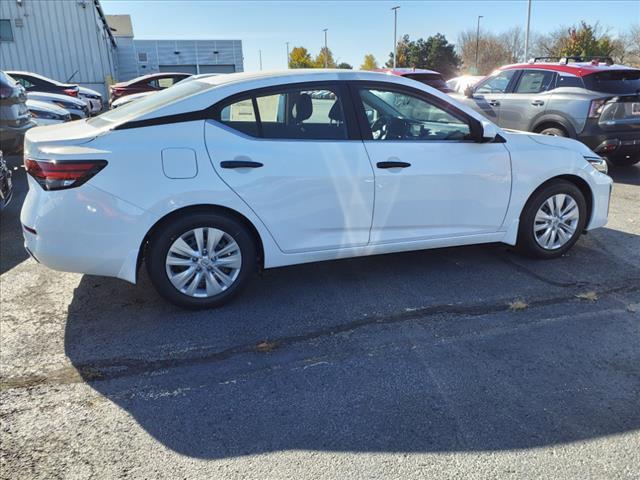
<point>534,81</point>
<point>497,83</point>
<point>6,33</point>
<point>399,116</point>
<point>301,114</point>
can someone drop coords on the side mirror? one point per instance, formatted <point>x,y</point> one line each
<point>468,92</point>
<point>489,131</point>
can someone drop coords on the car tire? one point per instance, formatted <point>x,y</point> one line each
<point>553,131</point>
<point>560,224</point>
<point>623,160</point>
<point>220,275</point>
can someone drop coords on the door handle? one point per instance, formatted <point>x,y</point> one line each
<point>393,164</point>
<point>494,103</point>
<point>240,164</point>
<point>537,103</point>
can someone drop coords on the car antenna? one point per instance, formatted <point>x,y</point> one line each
<point>73,75</point>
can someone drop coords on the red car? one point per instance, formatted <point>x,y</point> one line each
<point>146,83</point>
<point>428,77</point>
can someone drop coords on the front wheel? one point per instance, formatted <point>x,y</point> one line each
<point>552,220</point>
<point>201,260</point>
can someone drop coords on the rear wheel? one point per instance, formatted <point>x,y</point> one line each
<point>554,131</point>
<point>201,260</point>
<point>552,220</point>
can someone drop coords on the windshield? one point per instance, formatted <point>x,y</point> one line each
<point>431,79</point>
<point>614,81</point>
<point>148,104</point>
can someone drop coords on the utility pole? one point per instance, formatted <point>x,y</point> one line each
<point>288,56</point>
<point>260,57</point>
<point>395,34</point>
<point>526,35</point>
<point>478,41</point>
<point>326,51</point>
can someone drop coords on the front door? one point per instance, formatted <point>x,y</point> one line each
<point>432,180</point>
<point>293,157</point>
<point>489,94</point>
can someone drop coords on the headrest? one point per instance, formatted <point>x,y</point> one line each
<point>303,108</point>
<point>336,112</point>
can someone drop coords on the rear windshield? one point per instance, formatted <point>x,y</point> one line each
<point>143,106</point>
<point>614,81</point>
<point>432,79</point>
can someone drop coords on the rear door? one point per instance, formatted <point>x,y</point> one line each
<point>293,154</point>
<point>527,99</point>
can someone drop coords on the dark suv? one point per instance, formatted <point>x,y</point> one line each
<point>428,77</point>
<point>15,118</point>
<point>595,102</point>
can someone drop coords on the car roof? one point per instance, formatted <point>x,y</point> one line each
<point>151,76</point>
<point>406,71</point>
<point>36,75</point>
<point>579,69</point>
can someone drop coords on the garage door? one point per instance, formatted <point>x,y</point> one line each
<point>178,68</point>
<point>217,68</point>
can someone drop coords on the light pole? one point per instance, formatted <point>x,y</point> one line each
<point>260,57</point>
<point>478,41</point>
<point>526,34</point>
<point>326,52</point>
<point>395,34</point>
<point>288,56</point>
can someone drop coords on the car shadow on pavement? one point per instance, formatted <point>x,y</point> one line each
<point>409,352</point>
<point>12,250</point>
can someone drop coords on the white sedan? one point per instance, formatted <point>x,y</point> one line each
<point>208,181</point>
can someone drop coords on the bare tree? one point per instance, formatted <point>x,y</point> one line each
<point>492,52</point>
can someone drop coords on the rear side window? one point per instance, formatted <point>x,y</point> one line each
<point>614,81</point>
<point>300,114</point>
<point>569,81</point>
<point>534,81</point>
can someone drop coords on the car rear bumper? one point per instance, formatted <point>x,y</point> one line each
<point>625,141</point>
<point>83,230</point>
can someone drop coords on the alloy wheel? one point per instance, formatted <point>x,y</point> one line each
<point>203,262</point>
<point>556,221</point>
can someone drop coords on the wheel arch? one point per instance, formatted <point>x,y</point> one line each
<point>202,208</point>
<point>553,120</point>
<point>576,180</point>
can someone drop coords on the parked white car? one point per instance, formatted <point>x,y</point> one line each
<point>44,113</point>
<point>210,180</point>
<point>460,84</point>
<point>118,102</point>
<point>93,99</point>
<point>76,107</point>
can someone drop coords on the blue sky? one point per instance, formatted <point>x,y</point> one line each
<point>355,27</point>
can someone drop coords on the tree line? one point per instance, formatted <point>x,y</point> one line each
<point>493,50</point>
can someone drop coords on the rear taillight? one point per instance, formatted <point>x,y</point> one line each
<point>595,109</point>
<point>58,175</point>
<point>72,92</point>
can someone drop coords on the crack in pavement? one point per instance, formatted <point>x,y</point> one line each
<point>114,368</point>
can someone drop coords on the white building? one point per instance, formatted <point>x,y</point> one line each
<point>73,40</point>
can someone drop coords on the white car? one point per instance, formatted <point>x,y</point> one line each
<point>45,113</point>
<point>92,98</point>
<point>118,102</point>
<point>76,107</point>
<point>460,84</point>
<point>207,181</point>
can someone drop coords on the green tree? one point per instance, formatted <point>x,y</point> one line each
<point>320,58</point>
<point>583,40</point>
<point>300,58</point>
<point>345,66</point>
<point>369,63</point>
<point>434,53</point>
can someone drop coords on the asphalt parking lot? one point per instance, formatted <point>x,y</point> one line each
<point>455,363</point>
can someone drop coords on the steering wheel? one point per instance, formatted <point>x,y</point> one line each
<point>379,128</point>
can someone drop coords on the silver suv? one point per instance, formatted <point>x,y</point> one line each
<point>595,102</point>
